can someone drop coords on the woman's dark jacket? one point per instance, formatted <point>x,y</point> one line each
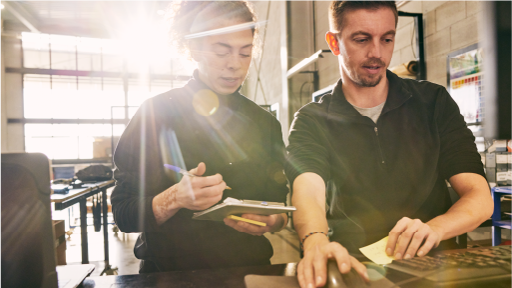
<point>236,138</point>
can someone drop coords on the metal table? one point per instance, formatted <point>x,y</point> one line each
<point>80,195</point>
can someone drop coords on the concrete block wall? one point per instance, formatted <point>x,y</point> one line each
<point>448,27</point>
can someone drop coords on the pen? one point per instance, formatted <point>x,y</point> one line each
<point>247,220</point>
<point>183,172</point>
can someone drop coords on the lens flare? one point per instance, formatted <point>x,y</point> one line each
<point>205,102</point>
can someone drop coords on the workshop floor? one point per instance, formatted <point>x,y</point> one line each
<point>285,243</point>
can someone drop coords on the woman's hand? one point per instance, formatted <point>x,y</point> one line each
<point>193,193</point>
<point>199,193</point>
<point>274,223</point>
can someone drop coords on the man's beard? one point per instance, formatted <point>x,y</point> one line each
<point>368,81</point>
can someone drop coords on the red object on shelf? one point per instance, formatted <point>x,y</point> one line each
<point>506,243</point>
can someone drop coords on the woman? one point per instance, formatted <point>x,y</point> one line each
<point>208,122</point>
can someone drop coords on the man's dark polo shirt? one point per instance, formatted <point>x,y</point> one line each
<point>377,173</point>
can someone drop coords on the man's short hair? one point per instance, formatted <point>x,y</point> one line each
<point>339,9</point>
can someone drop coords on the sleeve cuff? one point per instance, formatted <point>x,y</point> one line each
<point>476,168</point>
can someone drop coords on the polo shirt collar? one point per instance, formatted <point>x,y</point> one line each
<point>397,95</point>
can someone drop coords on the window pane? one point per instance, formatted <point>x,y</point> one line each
<point>36,53</point>
<point>71,97</point>
<point>89,54</point>
<point>34,130</point>
<point>112,63</point>
<point>63,50</point>
<point>138,65</point>
<point>63,60</point>
<point>36,59</point>
<point>64,101</point>
<point>161,66</point>
<point>138,91</point>
<point>160,86</point>
<point>72,141</point>
<point>36,96</point>
<point>112,59</point>
<point>183,67</point>
<point>89,62</point>
<point>92,103</point>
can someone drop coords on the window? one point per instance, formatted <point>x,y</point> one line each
<point>80,86</point>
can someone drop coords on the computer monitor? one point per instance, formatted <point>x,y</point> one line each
<point>28,256</point>
<point>496,43</point>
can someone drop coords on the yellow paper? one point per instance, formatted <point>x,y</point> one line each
<point>377,252</point>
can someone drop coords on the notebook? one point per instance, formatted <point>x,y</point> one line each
<point>232,206</point>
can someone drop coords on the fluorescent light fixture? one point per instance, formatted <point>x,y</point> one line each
<point>307,61</point>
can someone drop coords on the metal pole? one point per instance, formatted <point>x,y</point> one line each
<point>83,231</point>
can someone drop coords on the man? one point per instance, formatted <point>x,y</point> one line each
<point>371,159</point>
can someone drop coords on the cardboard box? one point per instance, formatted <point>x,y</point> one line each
<point>501,145</point>
<point>490,173</point>
<point>490,160</point>
<point>60,241</point>
<point>502,161</point>
<point>501,178</point>
<point>509,158</point>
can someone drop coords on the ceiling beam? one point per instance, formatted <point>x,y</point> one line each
<point>23,16</point>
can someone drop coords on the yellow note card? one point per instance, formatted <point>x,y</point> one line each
<point>377,252</point>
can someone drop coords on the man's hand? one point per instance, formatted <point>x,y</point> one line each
<point>193,193</point>
<point>408,235</point>
<point>312,269</point>
<point>274,222</point>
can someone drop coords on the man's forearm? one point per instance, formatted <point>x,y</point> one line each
<point>474,207</point>
<point>309,199</point>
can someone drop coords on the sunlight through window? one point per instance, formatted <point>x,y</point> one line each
<point>66,107</point>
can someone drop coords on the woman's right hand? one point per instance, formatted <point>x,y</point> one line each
<point>193,193</point>
<point>199,193</point>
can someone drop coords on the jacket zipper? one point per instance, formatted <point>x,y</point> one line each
<point>378,144</point>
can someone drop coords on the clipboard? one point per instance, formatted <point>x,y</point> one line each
<point>232,206</point>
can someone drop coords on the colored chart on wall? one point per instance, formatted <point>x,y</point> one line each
<point>465,83</point>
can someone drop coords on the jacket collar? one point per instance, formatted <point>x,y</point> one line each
<point>230,101</point>
<point>196,84</point>
<point>397,95</point>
